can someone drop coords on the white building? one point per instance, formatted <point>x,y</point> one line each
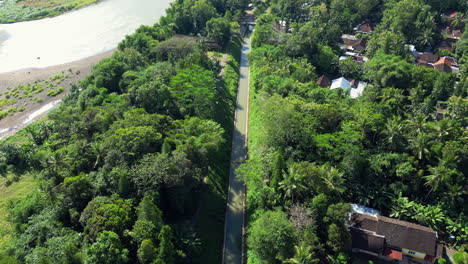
<point>356,88</point>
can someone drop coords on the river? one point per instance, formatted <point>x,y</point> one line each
<point>75,35</point>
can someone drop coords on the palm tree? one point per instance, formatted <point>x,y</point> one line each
<point>394,132</point>
<point>419,145</point>
<point>303,255</point>
<point>332,179</point>
<point>292,185</point>
<point>381,198</point>
<point>98,150</point>
<point>417,123</point>
<point>458,21</point>
<point>56,162</point>
<point>454,196</point>
<point>426,38</point>
<point>339,259</point>
<point>441,129</point>
<point>438,176</point>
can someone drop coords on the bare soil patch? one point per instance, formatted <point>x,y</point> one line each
<point>72,72</point>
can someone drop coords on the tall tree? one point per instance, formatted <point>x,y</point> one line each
<point>107,250</point>
<point>167,252</point>
<point>271,237</point>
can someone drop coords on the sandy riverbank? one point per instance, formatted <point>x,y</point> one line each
<point>33,111</point>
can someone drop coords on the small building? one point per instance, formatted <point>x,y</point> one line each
<point>353,43</point>
<point>451,61</point>
<point>355,87</point>
<point>445,44</point>
<point>450,33</point>
<point>393,240</point>
<point>340,83</point>
<point>364,28</point>
<point>323,81</point>
<point>456,34</point>
<point>444,65</point>
<point>426,57</point>
<point>357,57</point>
<point>449,15</point>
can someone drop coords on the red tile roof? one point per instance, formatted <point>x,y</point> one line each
<point>444,64</point>
<point>453,14</point>
<point>398,255</point>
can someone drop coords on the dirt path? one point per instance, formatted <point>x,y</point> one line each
<point>233,252</point>
<point>223,63</point>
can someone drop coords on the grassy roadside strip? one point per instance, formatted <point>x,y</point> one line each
<point>210,225</point>
<point>23,187</point>
<point>13,187</point>
<point>255,145</point>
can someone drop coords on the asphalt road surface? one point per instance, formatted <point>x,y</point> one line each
<point>234,222</point>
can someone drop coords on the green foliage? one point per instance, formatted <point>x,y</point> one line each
<point>124,185</point>
<point>410,16</point>
<point>101,150</point>
<point>148,211</point>
<point>135,140</point>
<point>147,252</point>
<point>460,257</point>
<point>219,29</point>
<point>172,172</point>
<point>349,69</point>
<point>388,71</point>
<point>194,91</point>
<point>107,250</point>
<point>106,214</point>
<point>441,261</point>
<point>166,252</point>
<point>386,42</point>
<point>337,149</point>
<point>271,236</point>
<point>278,170</point>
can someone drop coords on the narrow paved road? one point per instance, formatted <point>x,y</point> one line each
<point>234,222</point>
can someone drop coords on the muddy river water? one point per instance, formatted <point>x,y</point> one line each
<point>75,35</point>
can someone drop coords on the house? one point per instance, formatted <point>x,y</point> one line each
<point>456,34</point>
<point>357,57</point>
<point>353,43</point>
<point>449,16</point>
<point>445,44</point>
<point>364,28</point>
<point>356,88</point>
<point>323,81</point>
<point>431,61</point>
<point>444,65</point>
<point>391,239</point>
<point>426,57</point>
<point>453,62</point>
<point>450,33</point>
<point>340,83</point>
